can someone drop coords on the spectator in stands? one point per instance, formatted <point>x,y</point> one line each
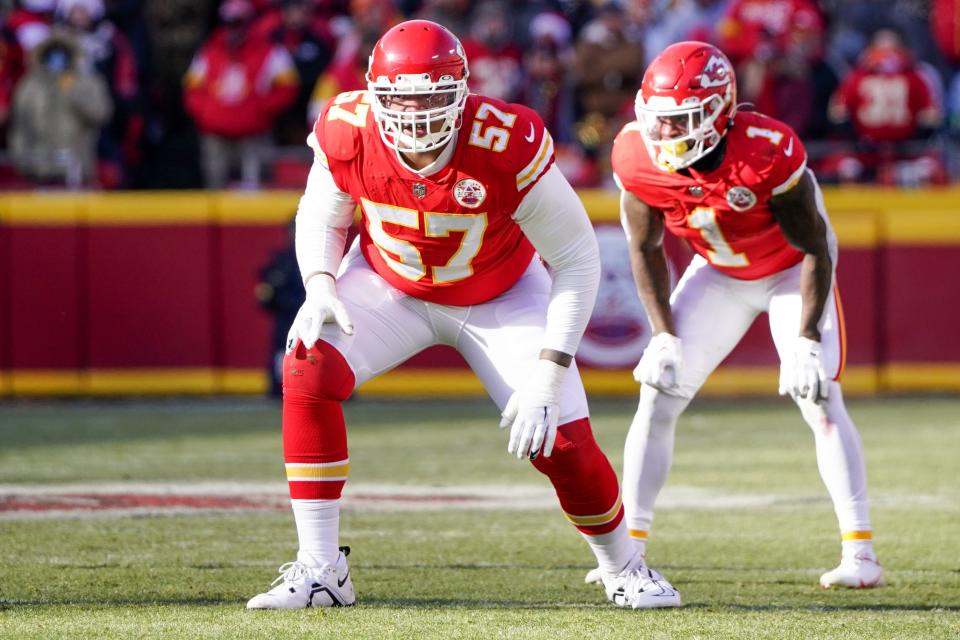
<point>547,86</point>
<point>309,42</point>
<point>58,109</point>
<point>608,64</point>
<point>112,56</point>
<point>767,42</point>
<point>888,102</point>
<point>176,29</point>
<point>495,62</point>
<point>853,21</point>
<point>31,21</point>
<point>795,84</point>
<point>945,27</point>
<point>885,97</point>
<point>11,70</point>
<point>455,15</point>
<point>757,30</point>
<point>236,86</point>
<point>356,37</point>
<point>607,69</point>
<point>683,20</point>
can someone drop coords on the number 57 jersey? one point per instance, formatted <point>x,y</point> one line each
<point>448,237</point>
<point>723,214</point>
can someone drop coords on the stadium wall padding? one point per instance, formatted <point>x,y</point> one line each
<point>152,293</point>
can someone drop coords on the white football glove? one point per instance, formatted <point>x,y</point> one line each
<point>532,413</point>
<point>321,306</point>
<point>660,363</point>
<point>802,374</point>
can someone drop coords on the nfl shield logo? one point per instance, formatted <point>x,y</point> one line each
<point>419,189</point>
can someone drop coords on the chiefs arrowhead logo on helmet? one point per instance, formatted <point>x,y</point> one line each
<point>716,73</point>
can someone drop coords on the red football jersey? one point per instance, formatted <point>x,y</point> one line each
<point>884,107</point>
<point>446,238</point>
<point>723,214</point>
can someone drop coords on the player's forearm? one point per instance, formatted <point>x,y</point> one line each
<point>572,297</point>
<point>797,212</point>
<point>653,286</point>
<point>816,278</point>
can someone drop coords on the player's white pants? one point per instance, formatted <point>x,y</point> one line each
<point>712,311</point>
<point>500,339</point>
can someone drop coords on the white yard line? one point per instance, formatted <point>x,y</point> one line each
<point>18,502</point>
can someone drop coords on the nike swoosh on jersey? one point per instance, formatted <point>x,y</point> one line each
<point>530,137</point>
<point>789,150</point>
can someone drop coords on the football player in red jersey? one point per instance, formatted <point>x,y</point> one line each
<point>735,186</point>
<point>457,193</point>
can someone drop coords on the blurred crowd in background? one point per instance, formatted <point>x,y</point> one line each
<point>158,94</point>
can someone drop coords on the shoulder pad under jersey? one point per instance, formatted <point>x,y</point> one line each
<point>525,152</point>
<point>338,129</point>
<point>629,158</point>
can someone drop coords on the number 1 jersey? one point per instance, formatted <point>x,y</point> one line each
<point>448,237</point>
<point>723,214</point>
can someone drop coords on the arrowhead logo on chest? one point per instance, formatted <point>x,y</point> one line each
<point>741,198</point>
<point>419,189</point>
<point>469,193</point>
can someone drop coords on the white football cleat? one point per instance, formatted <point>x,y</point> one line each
<point>858,572</point>
<point>640,587</point>
<point>302,587</point>
<point>594,576</point>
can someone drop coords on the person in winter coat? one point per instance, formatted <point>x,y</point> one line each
<point>58,110</point>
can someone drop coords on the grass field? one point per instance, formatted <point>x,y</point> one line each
<point>744,532</point>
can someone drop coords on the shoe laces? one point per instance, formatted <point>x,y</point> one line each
<point>294,572</point>
<point>637,581</point>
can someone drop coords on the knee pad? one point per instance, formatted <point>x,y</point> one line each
<point>574,452</point>
<point>319,373</point>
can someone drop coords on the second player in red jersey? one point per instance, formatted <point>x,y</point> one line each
<point>723,213</point>
<point>736,187</point>
<point>456,194</point>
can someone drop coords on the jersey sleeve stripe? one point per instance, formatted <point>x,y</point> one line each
<point>535,169</point>
<point>792,181</point>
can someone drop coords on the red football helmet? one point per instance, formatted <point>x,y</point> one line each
<point>686,103</point>
<point>418,85</point>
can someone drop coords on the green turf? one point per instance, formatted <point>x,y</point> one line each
<point>743,573</point>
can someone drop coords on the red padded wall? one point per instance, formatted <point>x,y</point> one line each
<point>923,304</point>
<point>245,328</point>
<point>150,296</point>
<point>45,293</point>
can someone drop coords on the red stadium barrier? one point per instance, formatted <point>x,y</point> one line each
<point>152,293</point>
